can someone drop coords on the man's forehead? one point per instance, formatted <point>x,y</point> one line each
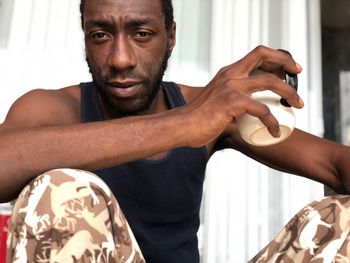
<point>123,7</point>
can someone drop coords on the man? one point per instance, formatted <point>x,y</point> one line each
<point>149,141</point>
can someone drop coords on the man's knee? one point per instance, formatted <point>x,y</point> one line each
<point>335,211</point>
<point>63,191</point>
<point>60,185</point>
<point>68,214</point>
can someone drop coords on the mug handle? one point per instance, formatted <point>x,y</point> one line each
<point>291,79</point>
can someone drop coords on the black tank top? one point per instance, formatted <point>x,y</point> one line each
<point>160,198</point>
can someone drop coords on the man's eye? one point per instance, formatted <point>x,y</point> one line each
<point>142,35</point>
<point>98,36</point>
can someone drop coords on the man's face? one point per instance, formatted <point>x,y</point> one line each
<point>127,48</point>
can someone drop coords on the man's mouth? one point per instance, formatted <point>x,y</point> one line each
<point>124,89</point>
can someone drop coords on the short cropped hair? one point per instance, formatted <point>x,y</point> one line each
<point>167,8</point>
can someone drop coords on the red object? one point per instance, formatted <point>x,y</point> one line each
<point>3,236</point>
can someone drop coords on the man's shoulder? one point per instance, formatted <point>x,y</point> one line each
<point>190,92</point>
<point>63,97</point>
<point>40,107</point>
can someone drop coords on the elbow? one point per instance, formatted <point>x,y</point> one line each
<point>6,197</point>
<point>345,187</point>
<point>340,184</point>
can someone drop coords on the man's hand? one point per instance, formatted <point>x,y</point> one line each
<point>228,95</point>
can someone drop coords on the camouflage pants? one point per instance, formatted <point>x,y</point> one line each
<point>71,216</point>
<point>319,233</point>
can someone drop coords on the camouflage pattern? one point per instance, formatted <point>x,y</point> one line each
<point>69,216</point>
<point>319,233</point>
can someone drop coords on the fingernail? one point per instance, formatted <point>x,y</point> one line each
<point>301,102</point>
<point>278,134</point>
<point>299,66</point>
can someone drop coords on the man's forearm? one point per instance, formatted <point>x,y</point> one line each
<point>316,158</point>
<point>26,153</point>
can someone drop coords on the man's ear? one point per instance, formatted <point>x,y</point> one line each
<point>172,38</point>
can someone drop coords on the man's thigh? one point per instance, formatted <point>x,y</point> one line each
<point>68,215</point>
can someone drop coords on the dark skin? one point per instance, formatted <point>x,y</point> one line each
<point>42,130</point>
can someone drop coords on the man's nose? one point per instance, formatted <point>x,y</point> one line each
<point>122,55</point>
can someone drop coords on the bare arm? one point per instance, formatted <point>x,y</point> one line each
<point>301,154</point>
<point>42,130</point>
<point>33,147</point>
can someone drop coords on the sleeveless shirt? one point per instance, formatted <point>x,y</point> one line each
<point>160,198</point>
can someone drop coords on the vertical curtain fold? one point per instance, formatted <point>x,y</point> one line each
<point>246,204</point>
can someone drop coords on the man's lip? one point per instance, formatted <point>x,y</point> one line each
<point>122,84</point>
<point>124,89</point>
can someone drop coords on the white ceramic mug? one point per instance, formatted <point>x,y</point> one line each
<point>254,132</point>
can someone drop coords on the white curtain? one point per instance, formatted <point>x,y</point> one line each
<point>190,61</point>
<point>44,48</point>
